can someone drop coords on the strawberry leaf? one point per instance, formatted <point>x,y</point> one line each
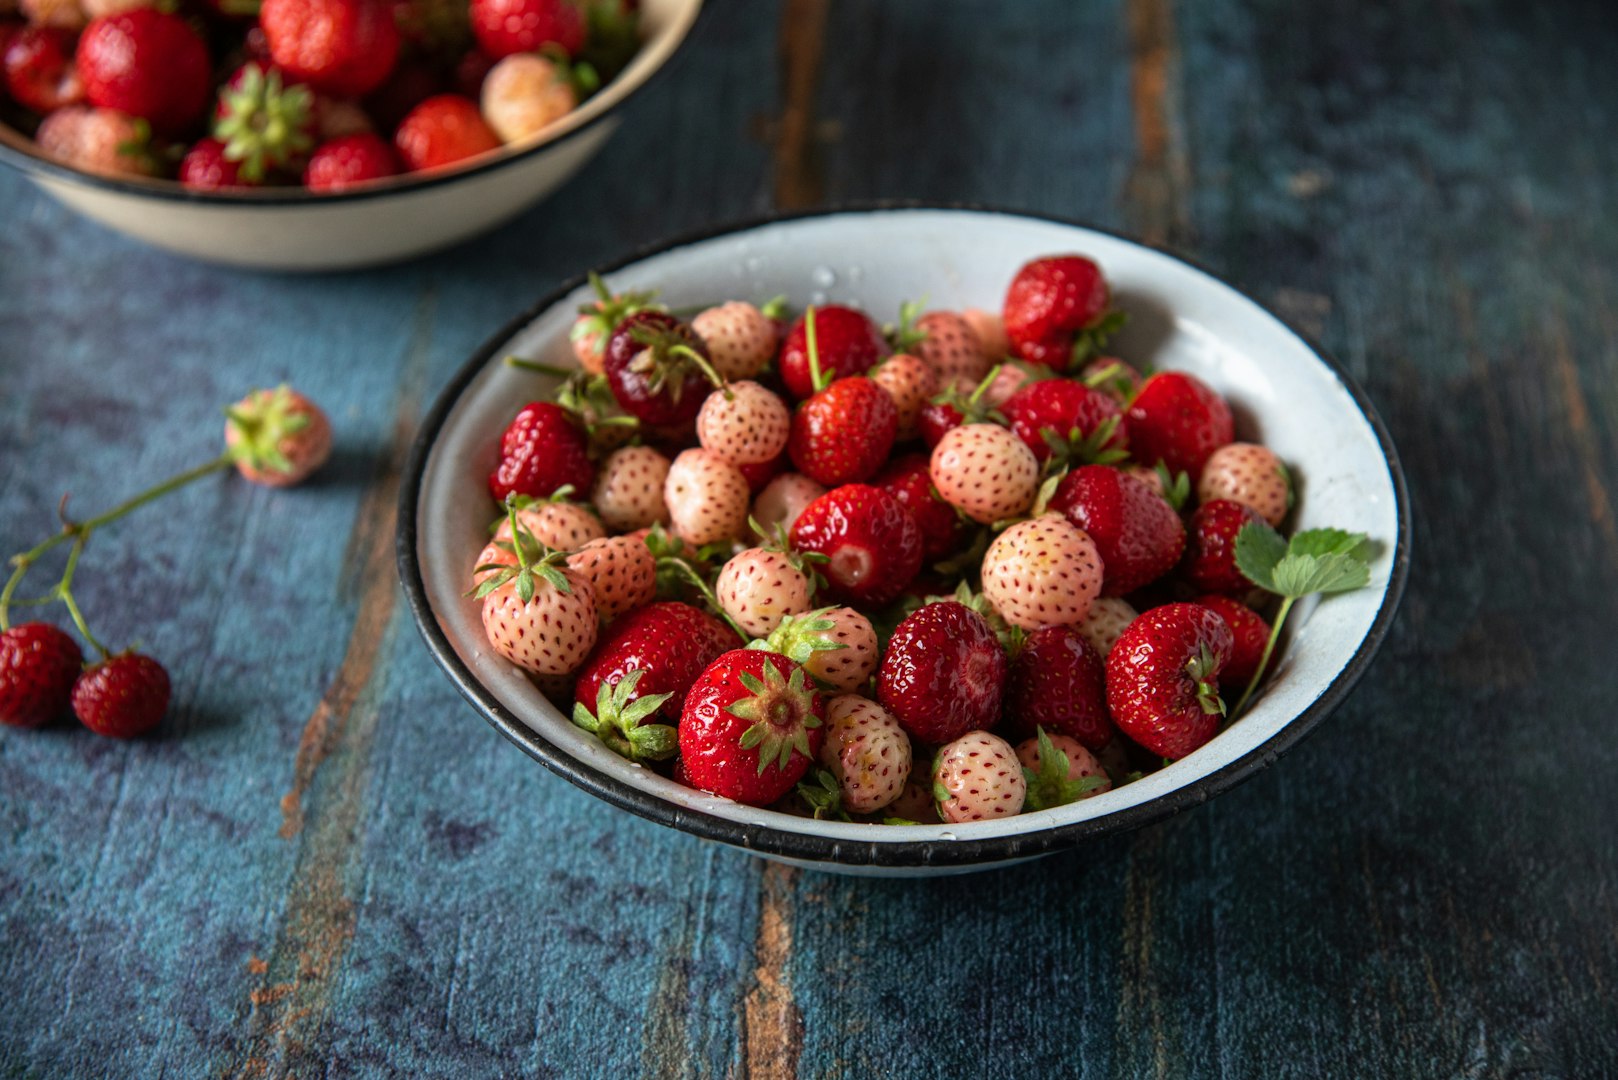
<point>1258,549</point>
<point>1326,542</point>
<point>1300,575</point>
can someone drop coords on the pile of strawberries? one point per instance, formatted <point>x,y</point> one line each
<point>323,93</point>
<point>962,548</point>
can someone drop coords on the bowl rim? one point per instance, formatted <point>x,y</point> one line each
<point>767,839</point>
<point>16,151</point>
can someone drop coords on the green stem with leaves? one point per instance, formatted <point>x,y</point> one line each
<point>1264,661</point>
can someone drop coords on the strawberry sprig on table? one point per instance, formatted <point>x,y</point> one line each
<point>272,437</point>
<point>963,566</point>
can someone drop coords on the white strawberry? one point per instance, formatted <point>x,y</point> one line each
<point>990,329</point>
<point>1040,573</point>
<point>915,803</point>
<point>758,587</point>
<point>985,471</point>
<point>542,617</point>
<point>1105,622</point>
<point>523,94</point>
<point>622,571</point>
<point>744,423</point>
<point>96,140</point>
<point>1058,770</point>
<point>911,383</point>
<point>838,646</point>
<point>562,525</point>
<point>706,496</point>
<point>976,777</point>
<point>1007,381</point>
<point>867,751</point>
<point>628,491</point>
<point>741,339</point>
<point>1248,474</point>
<point>782,500</point>
<point>952,348</point>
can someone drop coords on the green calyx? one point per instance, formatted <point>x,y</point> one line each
<point>823,795</point>
<point>780,709</point>
<point>264,123</point>
<point>1079,448</point>
<point>537,565</point>
<point>1204,672</point>
<point>801,636</point>
<point>807,563</point>
<point>971,406</point>
<point>619,721</point>
<point>589,397</point>
<point>905,335</point>
<point>1176,486</point>
<point>1049,785</point>
<point>666,358</point>
<point>261,422</point>
<point>1091,342</point>
<point>602,316</point>
<point>1112,380</point>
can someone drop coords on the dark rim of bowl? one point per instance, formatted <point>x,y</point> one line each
<point>27,162</point>
<point>768,839</point>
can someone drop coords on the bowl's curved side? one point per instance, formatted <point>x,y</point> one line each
<point>1184,317</point>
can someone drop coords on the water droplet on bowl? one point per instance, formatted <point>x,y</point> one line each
<point>948,836</point>
<point>824,276</point>
<point>817,298</point>
<point>754,263</point>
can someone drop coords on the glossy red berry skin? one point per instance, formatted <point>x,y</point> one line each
<point>1138,534</point>
<point>39,70</point>
<point>843,434</point>
<point>1153,675</point>
<point>442,131</point>
<point>847,342</point>
<point>148,64</point>
<point>205,168</point>
<point>1049,302</point>
<point>1249,634</point>
<point>943,674</point>
<point>1209,564</point>
<point>38,666</point>
<point>352,159</point>
<point>671,642</point>
<point>505,27</point>
<point>343,47</point>
<point>542,449</point>
<point>938,418</point>
<point>685,387</point>
<point>1061,407</point>
<point>712,736</point>
<point>122,697</point>
<point>1179,420</point>
<point>909,480</point>
<point>1058,682</point>
<point>871,542</point>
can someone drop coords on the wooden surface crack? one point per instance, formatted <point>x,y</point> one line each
<point>772,1024</point>
<point>1156,197</point>
<point>799,180</point>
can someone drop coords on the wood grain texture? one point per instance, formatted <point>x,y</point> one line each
<point>1427,887</point>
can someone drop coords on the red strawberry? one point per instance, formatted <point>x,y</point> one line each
<point>38,667</point>
<point>951,347</point>
<point>943,674</point>
<point>1058,682</point>
<point>870,540</point>
<point>706,497</point>
<point>1042,573</point>
<point>847,343</point>
<point>740,338</point>
<point>505,27</point>
<point>1249,635</point>
<point>759,587</point>
<point>751,726</point>
<point>39,69</point>
<point>1249,474</point>
<point>1210,548</point>
<point>1178,419</point>
<point>842,434</point>
<point>628,492</point>
<point>622,571</point>
<point>867,752</point>
<point>909,479</point>
<point>97,140</point>
<point>744,424</point>
<point>148,64</point>
<point>339,164</point>
<point>277,437</point>
<point>598,318</point>
<point>1140,537</point>
<point>783,500</point>
<point>123,696</point>
<point>1069,418</point>
<point>546,627</point>
<point>542,449</point>
<point>986,471</point>
<point>205,168</point>
<point>911,384</point>
<point>1050,302</point>
<point>265,124</point>
<point>441,131</point>
<point>524,94</point>
<point>671,642</point>
<point>658,368</point>
<point>344,47</point>
<point>978,777</point>
<point>1163,678</point>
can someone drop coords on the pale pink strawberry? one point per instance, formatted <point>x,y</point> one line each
<point>837,646</point>
<point>523,94</point>
<point>985,471</point>
<point>741,339</point>
<point>1011,378</point>
<point>96,140</point>
<point>977,777</point>
<point>759,587</point>
<point>1108,617</point>
<point>1249,474</point>
<point>744,423</point>
<point>1148,476</point>
<point>915,803</point>
<point>707,497</point>
<point>623,571</point>
<point>1081,765</point>
<point>911,383</point>
<point>990,329</point>
<point>1044,572</point>
<point>563,526</point>
<point>550,634</point>
<point>783,499</point>
<point>951,348</point>
<point>588,342</point>
<point>628,491</point>
<point>867,751</point>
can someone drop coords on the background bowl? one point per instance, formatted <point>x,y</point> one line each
<point>1284,392</point>
<point>292,229</point>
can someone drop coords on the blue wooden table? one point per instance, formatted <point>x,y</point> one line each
<point>327,865</point>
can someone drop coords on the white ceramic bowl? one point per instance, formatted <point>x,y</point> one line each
<point>1284,391</point>
<point>292,229</point>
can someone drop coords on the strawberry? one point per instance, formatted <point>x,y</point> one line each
<point>846,343</point>
<point>1068,420</point>
<point>441,131</point>
<point>599,318</point>
<point>911,384</point>
<point>523,94</point>
<point>871,543</point>
<point>97,140</point>
<point>741,339</point>
<point>671,642</point>
<point>1163,678</point>
<point>541,450</point>
<point>123,696</point>
<point>990,330</point>
<point>1107,619</point>
<point>951,348</point>
<point>1059,770</point>
<point>943,674</point>
<point>782,500</point>
<point>985,471</point>
<point>1009,378</point>
<point>658,368</point>
<point>958,402</point>
<point>620,718</point>
<point>343,47</point>
<point>1113,377</point>
<point>147,64</point>
<point>505,27</point>
<point>744,424</point>
<point>1055,308</point>
<point>842,434</point>
<point>628,491</point>
<point>266,124</point>
<point>622,572</point>
<point>706,497</point>
<point>38,667</point>
<point>277,437</point>
<point>1042,573</point>
<point>1249,474</point>
<point>554,522</point>
<point>539,616</point>
<point>759,474</point>
<point>751,726</point>
<point>341,163</point>
<point>206,168</point>
<point>977,777</point>
<point>759,587</point>
<point>1059,683</point>
<point>909,479</point>
<point>1178,419</point>
<point>867,751</point>
<point>1210,548</point>
<point>1140,537</point>
<point>1249,636</point>
<point>837,646</point>
<point>40,72</point>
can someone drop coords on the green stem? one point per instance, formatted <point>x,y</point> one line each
<point>983,387</point>
<point>707,369</point>
<point>814,348</point>
<point>65,590</point>
<point>695,578</point>
<point>1264,661</point>
<point>536,366</point>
